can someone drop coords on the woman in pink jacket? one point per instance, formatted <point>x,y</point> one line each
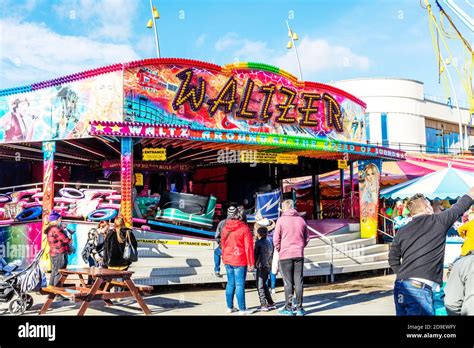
<point>290,238</point>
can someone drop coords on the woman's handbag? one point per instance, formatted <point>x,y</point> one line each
<point>130,253</point>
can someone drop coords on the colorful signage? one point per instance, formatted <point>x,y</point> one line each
<point>125,129</point>
<point>149,166</point>
<point>62,111</point>
<point>369,186</point>
<point>244,97</point>
<point>154,154</point>
<point>139,130</point>
<point>138,179</point>
<point>342,164</point>
<point>267,157</point>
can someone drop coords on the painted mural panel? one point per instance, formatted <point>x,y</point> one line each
<point>369,186</point>
<point>240,99</point>
<point>62,111</point>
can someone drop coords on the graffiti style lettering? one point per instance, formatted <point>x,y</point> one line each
<point>333,113</point>
<point>284,108</point>
<point>269,91</point>
<point>225,99</point>
<point>243,112</point>
<point>188,92</point>
<point>308,109</point>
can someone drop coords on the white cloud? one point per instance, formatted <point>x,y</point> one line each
<point>318,54</point>
<point>200,40</point>
<point>228,40</point>
<point>315,54</point>
<point>31,52</point>
<point>104,19</point>
<point>244,49</point>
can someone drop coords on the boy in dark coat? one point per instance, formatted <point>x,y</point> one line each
<point>263,264</point>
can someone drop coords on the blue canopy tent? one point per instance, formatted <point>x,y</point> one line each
<point>449,183</point>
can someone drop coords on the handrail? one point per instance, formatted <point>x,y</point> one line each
<point>384,231</point>
<point>84,184</point>
<point>331,244</point>
<point>21,186</point>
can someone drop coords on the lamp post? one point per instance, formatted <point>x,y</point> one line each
<point>152,24</point>
<point>293,37</point>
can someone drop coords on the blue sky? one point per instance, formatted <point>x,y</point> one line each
<point>338,39</point>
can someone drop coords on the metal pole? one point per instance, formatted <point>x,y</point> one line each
<point>156,32</point>
<point>332,262</point>
<point>296,51</point>
<point>461,139</point>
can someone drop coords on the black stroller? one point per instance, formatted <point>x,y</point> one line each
<point>14,289</point>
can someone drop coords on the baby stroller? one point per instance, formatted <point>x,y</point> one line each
<point>14,289</point>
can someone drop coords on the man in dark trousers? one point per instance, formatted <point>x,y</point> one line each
<point>417,254</point>
<point>59,246</point>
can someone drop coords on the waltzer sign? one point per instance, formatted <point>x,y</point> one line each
<point>244,97</point>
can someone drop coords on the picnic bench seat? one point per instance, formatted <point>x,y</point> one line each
<point>141,288</point>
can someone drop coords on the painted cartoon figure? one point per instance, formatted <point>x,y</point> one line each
<point>370,183</point>
<point>18,124</point>
<point>369,180</point>
<point>69,115</point>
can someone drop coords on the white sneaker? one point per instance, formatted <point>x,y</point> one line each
<point>231,310</point>
<point>247,312</point>
<point>273,292</point>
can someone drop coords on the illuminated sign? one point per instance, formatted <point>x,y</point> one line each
<point>227,99</point>
<point>149,166</point>
<point>154,154</point>
<point>141,130</point>
<point>124,129</point>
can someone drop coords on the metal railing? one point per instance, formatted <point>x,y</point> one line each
<point>421,148</point>
<point>388,226</point>
<point>330,242</point>
<point>21,187</point>
<point>87,186</point>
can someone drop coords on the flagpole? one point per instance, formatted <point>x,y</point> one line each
<point>296,51</point>
<point>156,32</point>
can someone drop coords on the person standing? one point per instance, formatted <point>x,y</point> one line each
<point>260,221</point>
<point>218,249</point>
<point>263,264</point>
<point>115,243</point>
<point>290,238</point>
<point>459,289</point>
<point>59,246</point>
<point>417,253</point>
<point>237,254</point>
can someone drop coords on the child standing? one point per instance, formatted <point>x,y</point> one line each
<point>466,231</point>
<point>263,265</point>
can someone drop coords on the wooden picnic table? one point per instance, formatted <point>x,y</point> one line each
<point>104,279</point>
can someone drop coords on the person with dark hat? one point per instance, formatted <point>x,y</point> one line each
<point>59,246</point>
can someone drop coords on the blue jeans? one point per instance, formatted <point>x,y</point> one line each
<point>217,259</point>
<point>413,300</point>
<point>272,279</point>
<point>235,284</point>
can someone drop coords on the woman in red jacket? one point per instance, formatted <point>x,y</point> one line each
<point>237,255</point>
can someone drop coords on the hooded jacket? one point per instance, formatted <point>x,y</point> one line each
<point>291,235</point>
<point>237,244</point>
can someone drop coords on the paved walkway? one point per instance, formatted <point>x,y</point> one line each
<point>367,296</point>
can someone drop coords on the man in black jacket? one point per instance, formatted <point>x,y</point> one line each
<point>417,254</point>
<point>263,264</point>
